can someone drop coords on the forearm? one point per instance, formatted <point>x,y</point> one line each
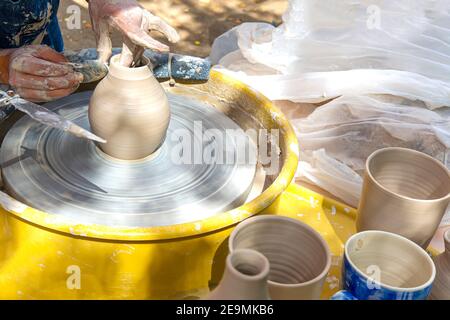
<point>4,65</point>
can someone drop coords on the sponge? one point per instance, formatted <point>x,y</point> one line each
<point>180,67</point>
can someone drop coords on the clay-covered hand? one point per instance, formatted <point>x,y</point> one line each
<point>132,20</point>
<point>38,73</point>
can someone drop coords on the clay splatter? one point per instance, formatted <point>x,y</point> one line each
<point>333,210</point>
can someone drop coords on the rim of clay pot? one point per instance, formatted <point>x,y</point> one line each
<point>406,150</point>
<point>127,73</point>
<point>246,253</point>
<point>401,238</point>
<point>316,234</point>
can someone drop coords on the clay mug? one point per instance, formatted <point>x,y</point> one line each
<point>245,277</point>
<point>441,286</point>
<point>404,192</point>
<point>299,257</point>
<point>380,265</point>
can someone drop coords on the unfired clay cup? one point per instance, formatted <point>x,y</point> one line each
<point>299,257</point>
<point>405,192</point>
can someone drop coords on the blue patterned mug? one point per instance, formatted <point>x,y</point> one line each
<point>380,265</point>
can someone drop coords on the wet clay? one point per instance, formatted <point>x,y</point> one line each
<point>130,110</point>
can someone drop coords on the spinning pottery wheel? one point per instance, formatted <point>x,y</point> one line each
<point>61,174</point>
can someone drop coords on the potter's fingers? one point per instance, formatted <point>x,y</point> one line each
<point>21,80</point>
<point>137,55</point>
<point>39,67</point>
<point>104,45</point>
<point>158,24</point>
<point>44,95</point>
<point>142,39</point>
<point>136,35</point>
<point>126,57</point>
<point>47,53</point>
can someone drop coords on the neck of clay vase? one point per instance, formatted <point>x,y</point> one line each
<point>118,71</point>
<point>245,276</point>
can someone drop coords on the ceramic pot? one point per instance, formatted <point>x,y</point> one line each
<point>380,265</point>
<point>299,257</point>
<point>441,286</point>
<point>404,192</point>
<point>244,278</point>
<point>129,109</point>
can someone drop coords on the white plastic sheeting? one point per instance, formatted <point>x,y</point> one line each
<point>336,139</point>
<point>331,47</point>
<point>386,62</point>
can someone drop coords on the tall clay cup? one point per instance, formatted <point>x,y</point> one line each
<point>404,192</point>
<point>299,257</point>
<point>441,286</point>
<point>245,277</point>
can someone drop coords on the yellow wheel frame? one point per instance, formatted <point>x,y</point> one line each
<point>45,257</point>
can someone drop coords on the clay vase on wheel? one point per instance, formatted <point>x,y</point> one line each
<point>441,285</point>
<point>129,109</point>
<point>245,277</point>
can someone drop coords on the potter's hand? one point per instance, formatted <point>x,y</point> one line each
<point>132,20</point>
<point>38,73</point>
